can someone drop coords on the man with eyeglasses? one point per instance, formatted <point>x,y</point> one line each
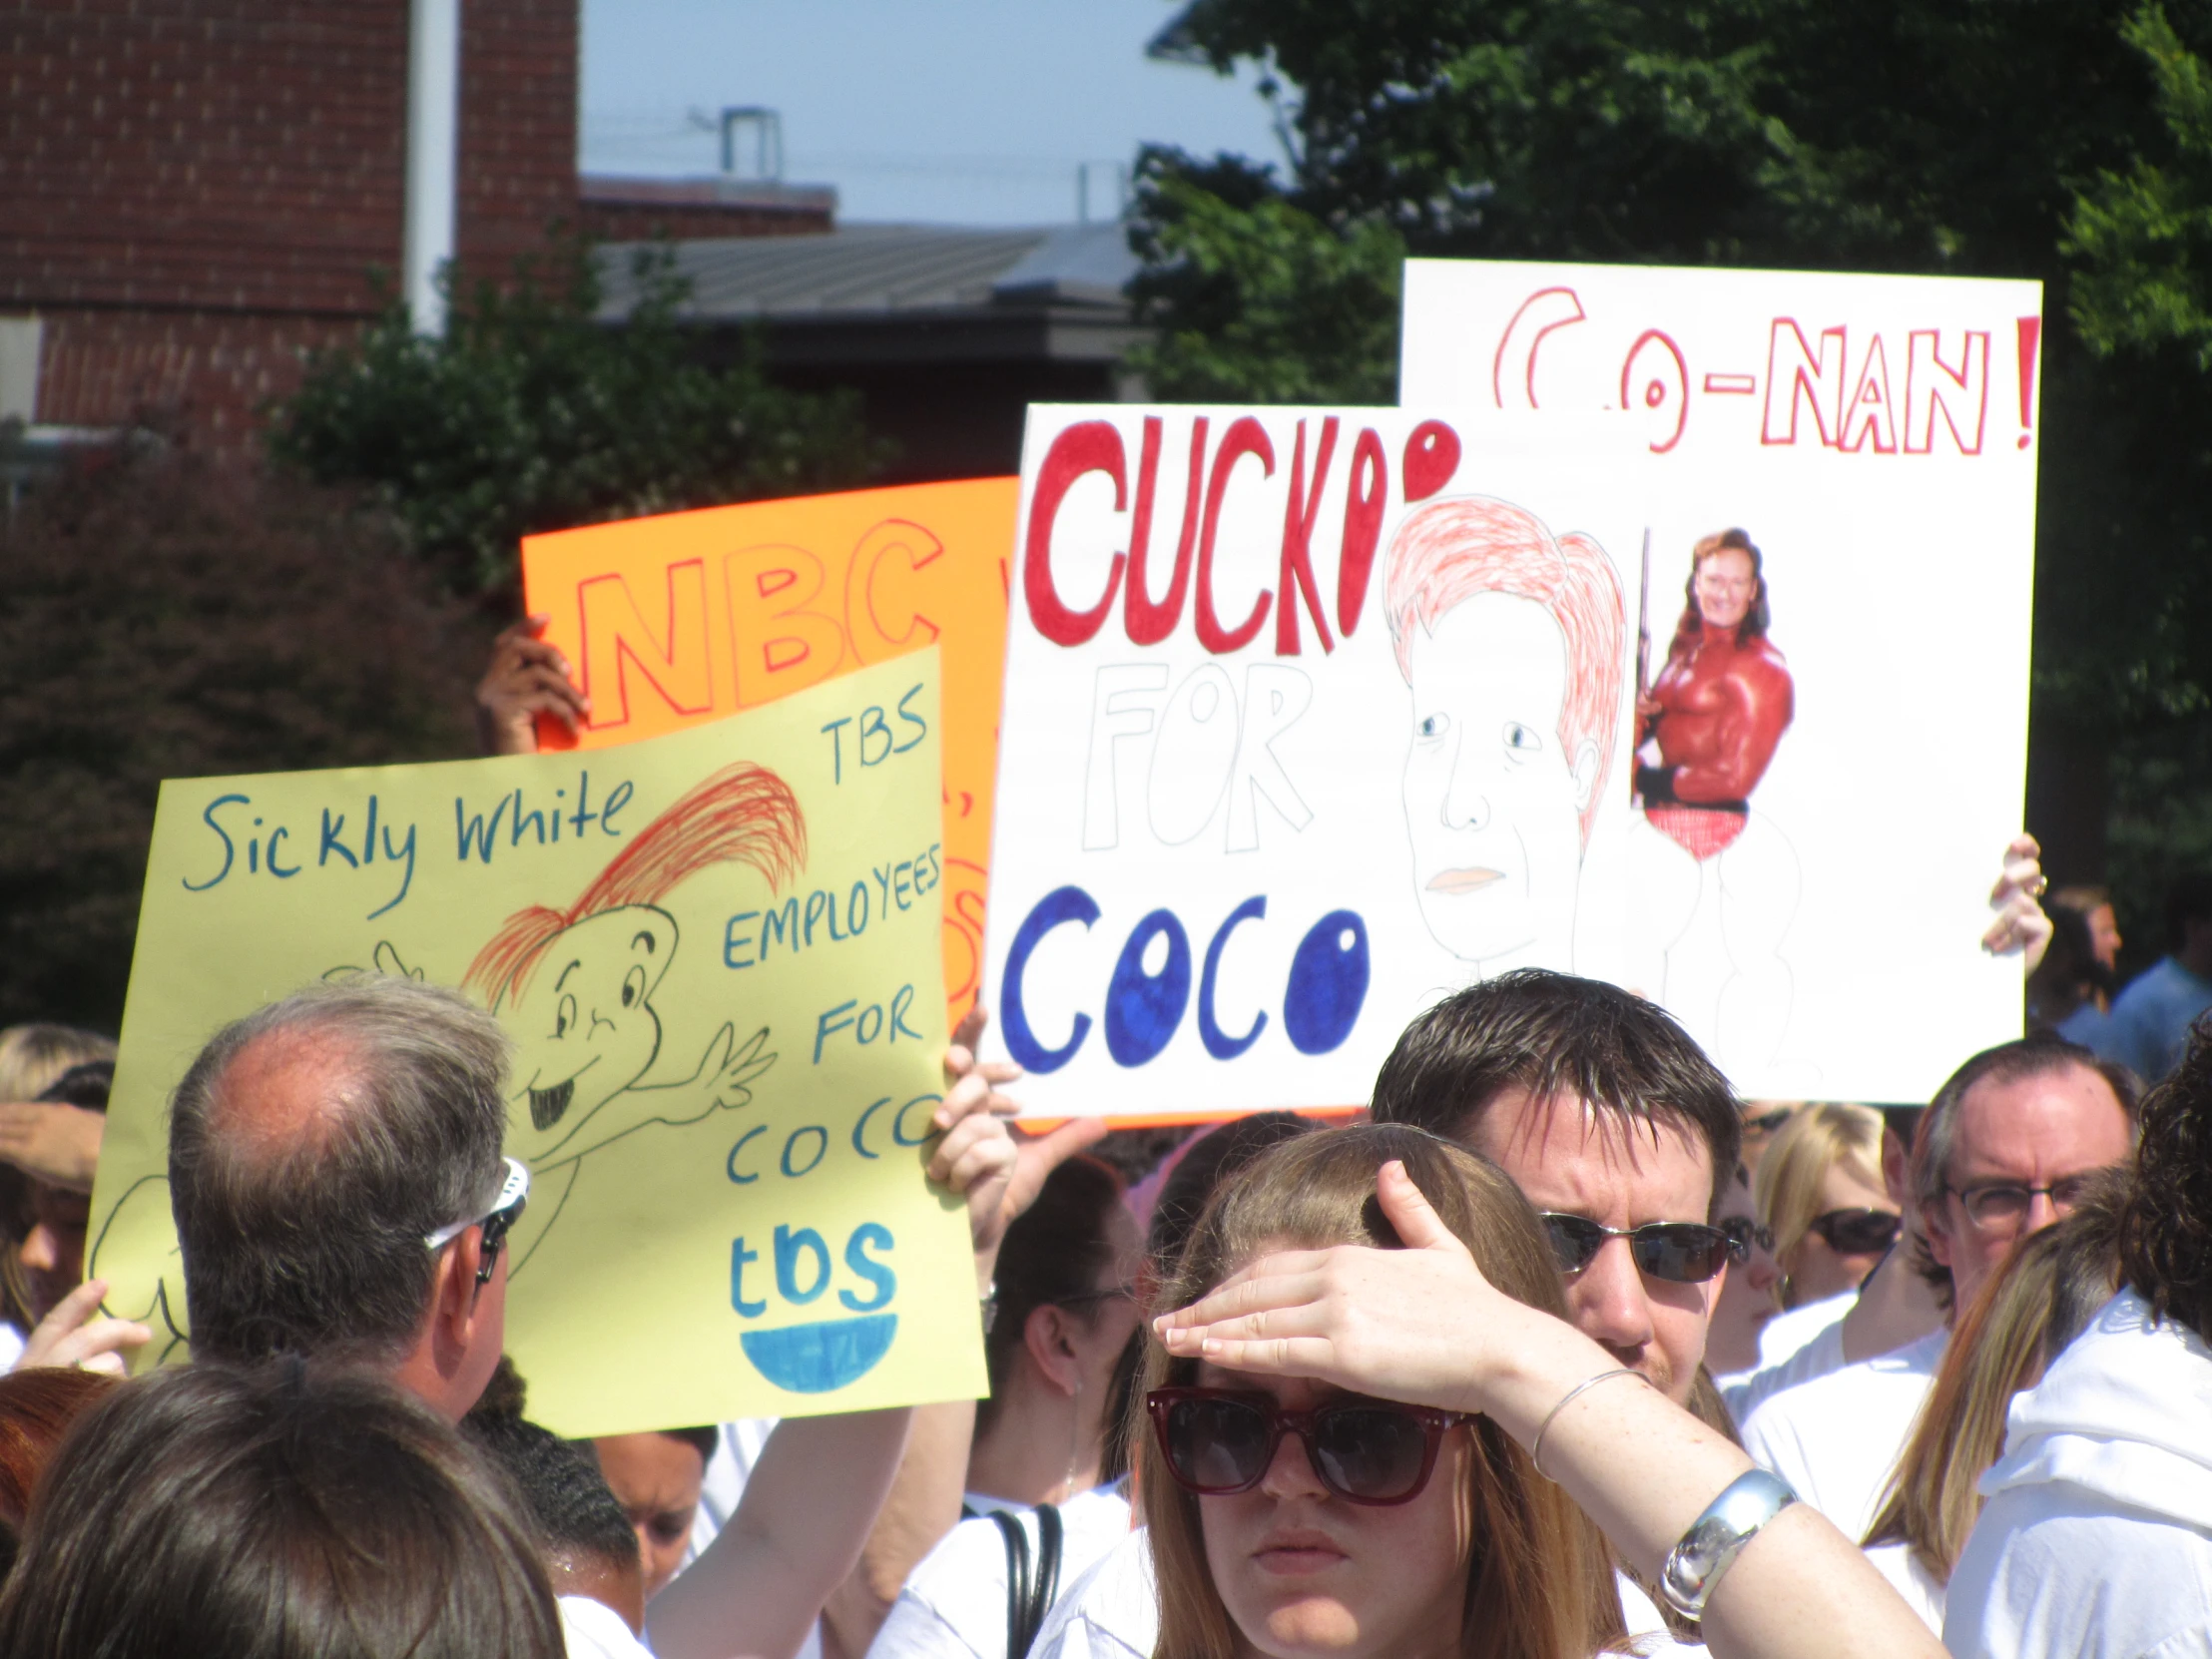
<point>2003,1151</point>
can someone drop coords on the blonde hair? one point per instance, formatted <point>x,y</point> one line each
<point>32,1060</point>
<point>1787,1187</point>
<point>2044,1295</point>
<point>1541,1581</point>
<point>32,1056</point>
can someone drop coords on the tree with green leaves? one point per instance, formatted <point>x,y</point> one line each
<point>2065,140</point>
<point>535,412</point>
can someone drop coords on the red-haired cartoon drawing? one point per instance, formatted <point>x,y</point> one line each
<point>1510,640</point>
<point>1719,880</point>
<point>574,988</point>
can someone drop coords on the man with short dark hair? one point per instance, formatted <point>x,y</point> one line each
<point>1613,1123</point>
<point>2149,1027</point>
<point>2003,1151</point>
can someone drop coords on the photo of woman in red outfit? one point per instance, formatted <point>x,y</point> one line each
<point>1719,707</point>
<point>1717,885</point>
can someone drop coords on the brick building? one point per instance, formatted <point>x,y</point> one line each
<point>195,191</point>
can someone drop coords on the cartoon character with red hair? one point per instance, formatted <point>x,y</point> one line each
<point>574,987</point>
<point>1510,640</point>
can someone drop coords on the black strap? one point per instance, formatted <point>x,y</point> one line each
<point>1019,1634</point>
<point>1029,1595</point>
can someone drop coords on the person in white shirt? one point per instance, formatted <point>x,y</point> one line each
<point>1374,1433</point>
<point>1747,1301</point>
<point>2046,1292</point>
<point>2006,1147</point>
<point>1062,1319</point>
<point>2096,1537</point>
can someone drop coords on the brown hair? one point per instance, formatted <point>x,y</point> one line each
<point>270,1512</point>
<point>2166,1228</point>
<point>1556,1034</point>
<point>2048,1289</point>
<point>1755,616</point>
<point>1540,1582</point>
<point>37,1407</point>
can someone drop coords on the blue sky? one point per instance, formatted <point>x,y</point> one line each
<point>966,112</point>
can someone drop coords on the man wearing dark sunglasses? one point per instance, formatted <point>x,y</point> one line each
<point>2004,1149</point>
<point>1617,1128</point>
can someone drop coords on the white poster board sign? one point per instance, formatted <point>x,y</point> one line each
<point>1310,715</point>
<point>1828,789</point>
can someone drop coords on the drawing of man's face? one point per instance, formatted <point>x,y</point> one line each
<point>585,1030</point>
<point>1725,587</point>
<point>1492,803</point>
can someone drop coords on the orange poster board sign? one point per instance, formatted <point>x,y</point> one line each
<point>687,617</point>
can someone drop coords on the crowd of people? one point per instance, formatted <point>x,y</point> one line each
<point>1560,1349</point>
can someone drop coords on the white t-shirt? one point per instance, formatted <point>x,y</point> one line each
<point>1811,1346</point>
<point>1837,1438</point>
<point>593,1630</point>
<point>2098,1536</point>
<point>1110,1613</point>
<point>955,1605</point>
<point>1113,1613</point>
<point>12,1343</point>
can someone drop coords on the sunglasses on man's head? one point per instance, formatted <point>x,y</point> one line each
<point>1681,1252</point>
<point>497,1222</point>
<point>1218,1442</point>
<point>1858,1232</point>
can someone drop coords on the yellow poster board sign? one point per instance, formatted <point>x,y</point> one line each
<point>687,617</point>
<point>717,952</point>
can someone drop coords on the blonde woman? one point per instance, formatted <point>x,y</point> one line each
<point>1820,1191</point>
<point>41,1144</point>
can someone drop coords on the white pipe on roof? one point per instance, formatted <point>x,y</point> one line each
<point>434,143</point>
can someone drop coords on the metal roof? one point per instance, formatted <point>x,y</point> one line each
<point>859,271</point>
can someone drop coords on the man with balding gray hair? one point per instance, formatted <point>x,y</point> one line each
<point>340,1195</point>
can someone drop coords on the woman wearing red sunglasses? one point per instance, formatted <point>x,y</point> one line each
<point>1358,1417</point>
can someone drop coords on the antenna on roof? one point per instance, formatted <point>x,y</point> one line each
<point>765,129</point>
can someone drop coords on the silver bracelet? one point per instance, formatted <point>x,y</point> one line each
<point>1695,1566</point>
<point>1536,1447</point>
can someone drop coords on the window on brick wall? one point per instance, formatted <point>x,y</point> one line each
<point>19,344</point>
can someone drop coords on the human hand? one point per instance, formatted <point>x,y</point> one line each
<point>2021,924</point>
<point>526,678</point>
<point>1420,1325</point>
<point>50,1141</point>
<point>72,1335</point>
<point>993,1205</point>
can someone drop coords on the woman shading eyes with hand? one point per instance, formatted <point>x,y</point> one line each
<point>1344,1421</point>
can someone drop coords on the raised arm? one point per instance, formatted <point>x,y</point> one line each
<point>525,677</point>
<point>760,1586</point>
<point>924,1501</point>
<point>1423,1324</point>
